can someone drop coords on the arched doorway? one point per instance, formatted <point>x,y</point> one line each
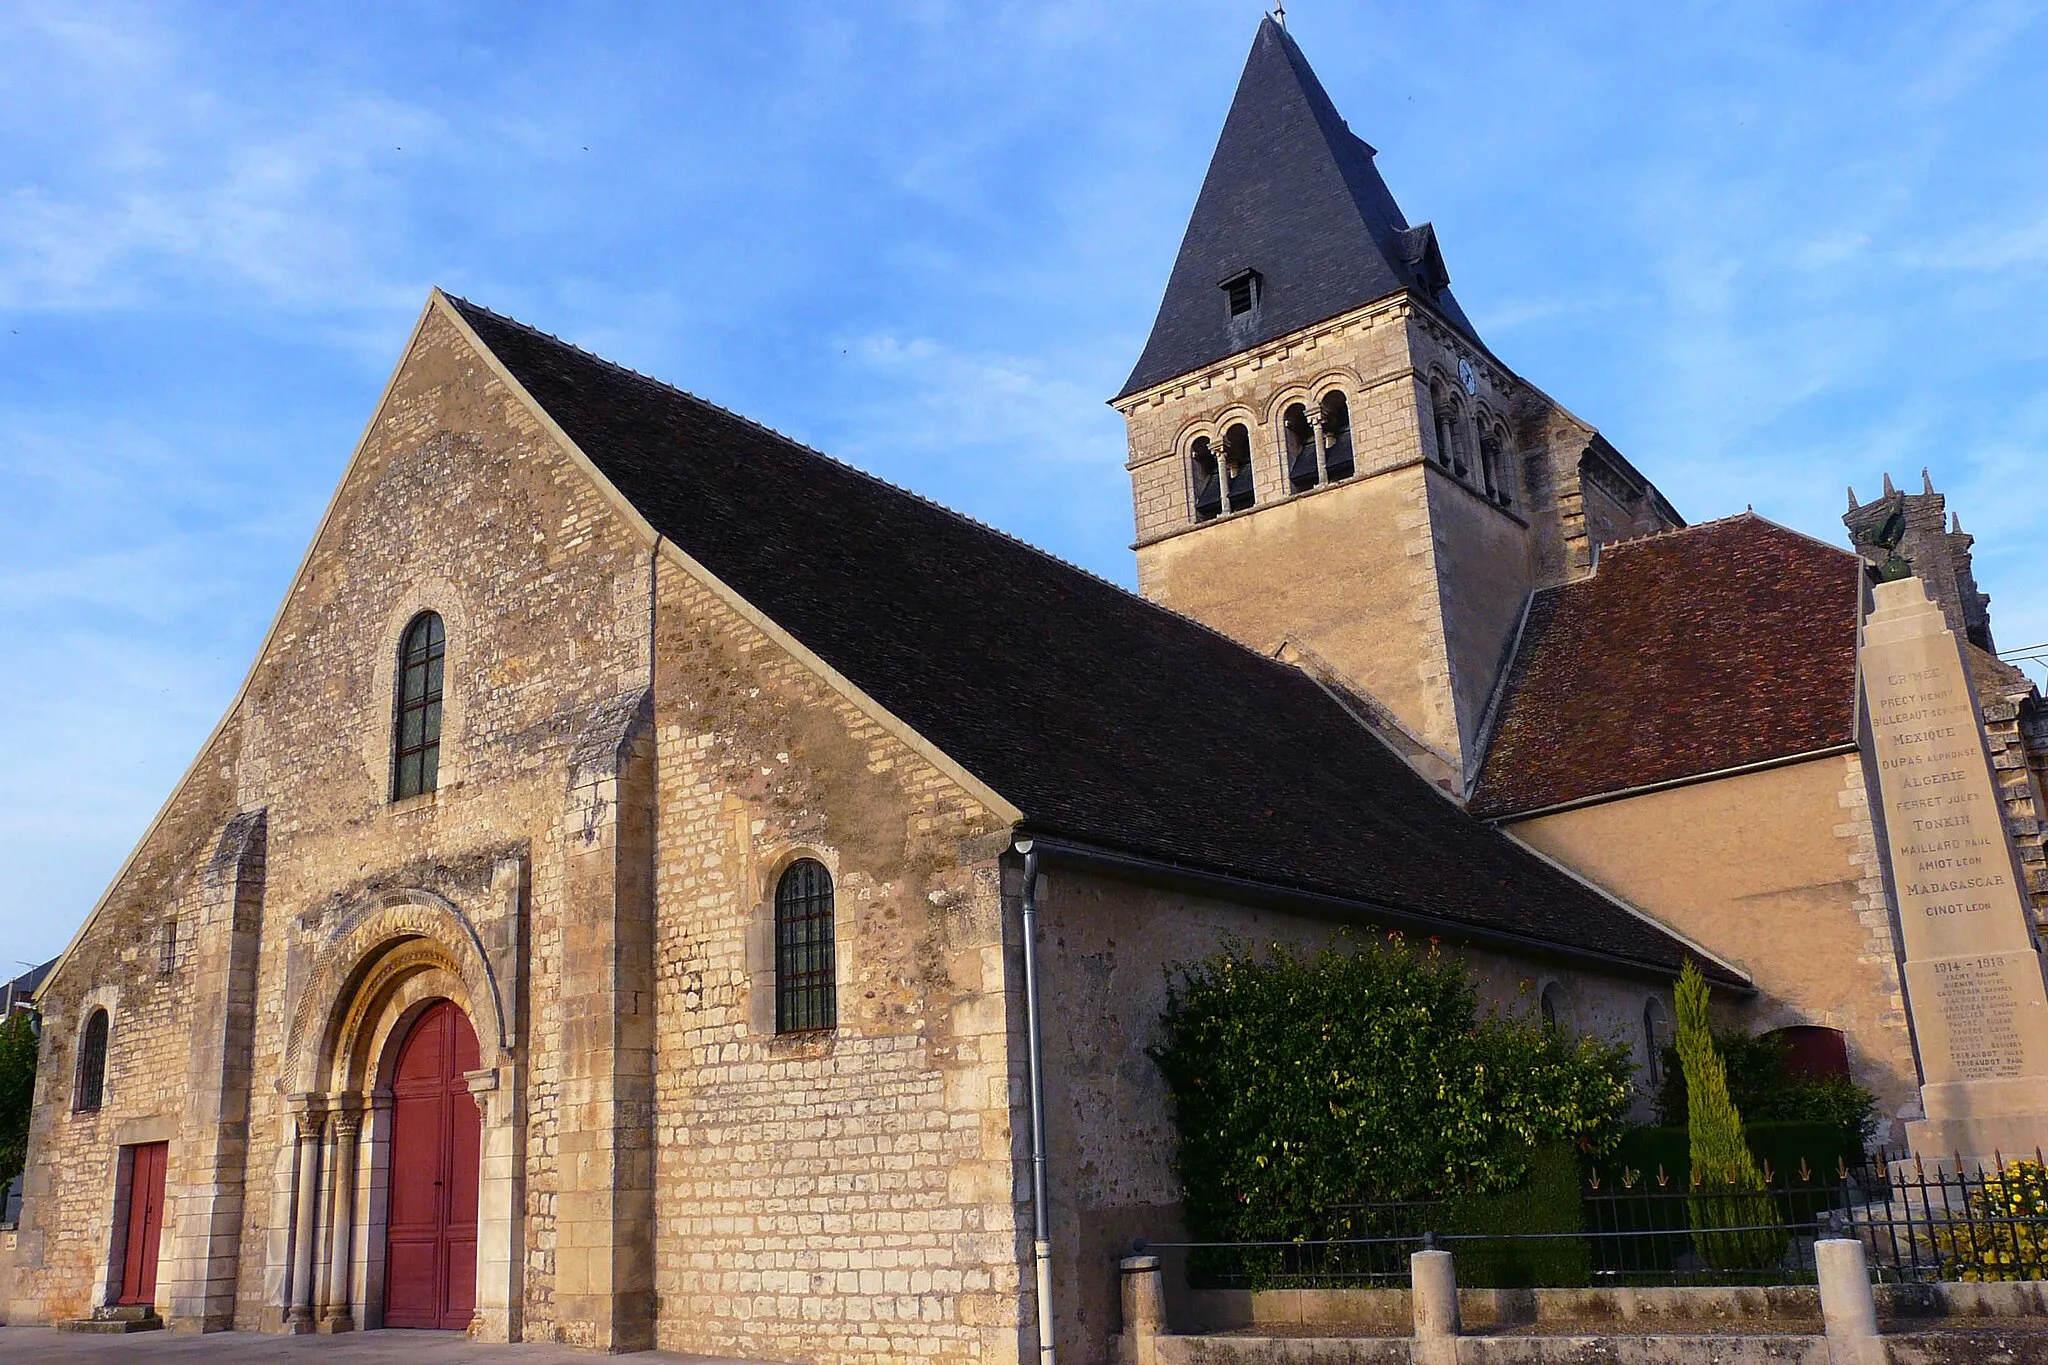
<point>430,1226</point>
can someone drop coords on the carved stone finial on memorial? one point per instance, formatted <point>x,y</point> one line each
<point>1974,979</point>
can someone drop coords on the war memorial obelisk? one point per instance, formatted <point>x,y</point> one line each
<point>1975,988</point>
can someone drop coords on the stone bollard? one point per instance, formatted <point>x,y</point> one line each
<point>1144,1310</point>
<point>1847,1305</point>
<point>1434,1295</point>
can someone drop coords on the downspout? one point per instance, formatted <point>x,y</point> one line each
<point>1041,1234</point>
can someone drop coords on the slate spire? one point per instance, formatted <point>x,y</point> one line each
<point>1293,197</point>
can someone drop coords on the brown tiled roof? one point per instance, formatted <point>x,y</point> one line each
<point>1097,713</point>
<point>1690,652</point>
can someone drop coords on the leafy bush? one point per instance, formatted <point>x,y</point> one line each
<point>1728,1188</point>
<point>1766,1093</point>
<point>1304,1086</point>
<point>2012,1241</point>
<point>17,1091</point>
<point>1779,1148</point>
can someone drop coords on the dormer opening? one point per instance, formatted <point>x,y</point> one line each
<point>1241,293</point>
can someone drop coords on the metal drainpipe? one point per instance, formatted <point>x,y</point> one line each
<point>1041,1235</point>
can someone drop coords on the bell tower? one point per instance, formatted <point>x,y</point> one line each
<point>1326,461</point>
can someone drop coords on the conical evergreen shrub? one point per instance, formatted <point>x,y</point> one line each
<point>1734,1219</point>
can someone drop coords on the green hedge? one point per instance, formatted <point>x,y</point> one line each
<point>1547,1201</point>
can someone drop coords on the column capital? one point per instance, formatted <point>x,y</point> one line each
<point>306,1105</point>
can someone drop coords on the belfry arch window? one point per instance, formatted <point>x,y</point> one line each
<point>1303,469</point>
<point>806,972</point>
<point>1204,479</point>
<point>416,741</point>
<point>1447,419</point>
<point>1338,462</point>
<point>1493,462</point>
<point>1237,467</point>
<point>91,1091</point>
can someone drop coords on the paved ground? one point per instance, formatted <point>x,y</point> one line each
<point>46,1344</point>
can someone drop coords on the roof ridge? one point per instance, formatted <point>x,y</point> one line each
<point>1746,514</point>
<point>856,470</point>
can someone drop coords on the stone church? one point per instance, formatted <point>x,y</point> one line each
<point>659,886</point>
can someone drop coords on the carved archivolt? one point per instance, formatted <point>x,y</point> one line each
<point>364,957</point>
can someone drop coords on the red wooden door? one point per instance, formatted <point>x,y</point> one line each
<point>430,1230</point>
<point>144,1218</point>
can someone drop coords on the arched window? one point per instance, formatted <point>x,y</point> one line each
<point>1493,463</point>
<point>1656,1037</point>
<point>1557,1008</point>
<point>1237,467</point>
<point>1302,470</point>
<point>416,748</point>
<point>1208,488</point>
<point>1337,458</point>
<point>806,977</point>
<point>1447,421</point>
<point>92,1064</point>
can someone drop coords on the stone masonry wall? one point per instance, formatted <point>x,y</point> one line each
<point>846,1196</point>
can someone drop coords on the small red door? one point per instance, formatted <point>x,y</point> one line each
<point>143,1222</point>
<point>430,1231</point>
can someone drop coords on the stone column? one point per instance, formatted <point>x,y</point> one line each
<point>1848,1307</point>
<point>501,1208</point>
<point>1314,413</point>
<point>335,1315</point>
<point>1973,971</point>
<point>1144,1311</point>
<point>1434,1296</point>
<point>311,1113</point>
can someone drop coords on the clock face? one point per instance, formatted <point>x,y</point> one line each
<point>1466,373</point>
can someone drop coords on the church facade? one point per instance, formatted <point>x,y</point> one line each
<point>655,881</point>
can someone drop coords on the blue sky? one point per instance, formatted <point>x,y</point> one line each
<point>1769,250</point>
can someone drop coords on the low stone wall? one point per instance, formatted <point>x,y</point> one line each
<point>1786,1309</point>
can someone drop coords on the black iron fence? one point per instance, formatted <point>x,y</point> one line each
<point>1952,1221</point>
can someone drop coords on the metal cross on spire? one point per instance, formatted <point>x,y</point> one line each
<point>1280,13</point>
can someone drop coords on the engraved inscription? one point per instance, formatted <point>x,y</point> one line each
<point>1977,1005</point>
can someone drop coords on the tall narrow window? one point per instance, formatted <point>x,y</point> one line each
<point>1302,471</point>
<point>1208,487</point>
<point>1557,1009</point>
<point>1489,461</point>
<point>806,977</point>
<point>1337,458</point>
<point>167,948</point>
<point>1656,1033</point>
<point>1237,467</point>
<point>92,1064</point>
<point>416,757</point>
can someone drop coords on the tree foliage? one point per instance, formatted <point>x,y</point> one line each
<point>1305,1083</point>
<point>1730,1189</point>
<point>17,1090</point>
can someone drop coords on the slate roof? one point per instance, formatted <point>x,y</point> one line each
<point>1720,645</point>
<point>1103,717</point>
<point>1292,193</point>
